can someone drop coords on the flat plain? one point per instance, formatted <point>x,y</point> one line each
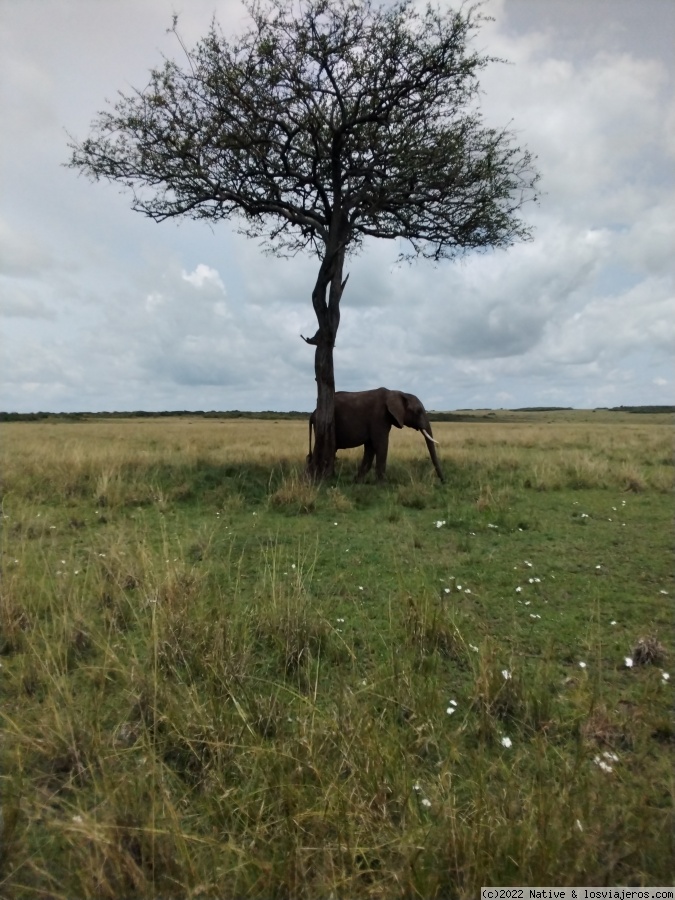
<point>220,680</point>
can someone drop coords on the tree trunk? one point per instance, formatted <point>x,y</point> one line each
<point>322,462</point>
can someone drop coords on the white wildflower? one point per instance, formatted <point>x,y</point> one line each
<point>665,676</point>
<point>506,675</point>
<point>426,803</point>
<point>628,662</point>
<point>507,742</point>
<point>582,665</point>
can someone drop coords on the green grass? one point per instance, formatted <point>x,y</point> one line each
<point>221,681</point>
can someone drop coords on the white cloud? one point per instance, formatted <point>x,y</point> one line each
<point>612,326</point>
<point>204,275</point>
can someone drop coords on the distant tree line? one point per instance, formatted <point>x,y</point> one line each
<point>643,409</point>
<point>145,414</point>
<point>463,415</point>
<point>542,409</point>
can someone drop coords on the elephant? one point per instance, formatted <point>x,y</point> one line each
<point>366,417</point>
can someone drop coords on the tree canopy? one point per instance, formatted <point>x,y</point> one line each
<point>325,123</point>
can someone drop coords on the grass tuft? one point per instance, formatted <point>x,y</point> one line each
<point>338,501</point>
<point>648,652</point>
<point>296,494</point>
<point>429,631</point>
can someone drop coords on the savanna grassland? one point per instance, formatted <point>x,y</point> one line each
<point>219,680</point>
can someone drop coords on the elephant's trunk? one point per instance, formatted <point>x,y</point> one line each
<point>430,442</point>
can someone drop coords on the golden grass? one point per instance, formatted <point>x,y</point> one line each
<point>548,455</point>
<point>226,440</point>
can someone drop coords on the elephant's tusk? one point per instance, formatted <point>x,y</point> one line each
<point>428,436</point>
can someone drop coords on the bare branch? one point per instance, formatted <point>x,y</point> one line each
<point>338,115</point>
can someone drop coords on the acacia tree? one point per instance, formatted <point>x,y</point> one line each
<point>327,122</point>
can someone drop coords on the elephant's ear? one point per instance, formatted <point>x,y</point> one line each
<point>396,408</point>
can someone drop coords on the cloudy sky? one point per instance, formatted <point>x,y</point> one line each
<point>103,309</point>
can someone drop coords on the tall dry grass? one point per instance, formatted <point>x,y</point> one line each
<point>99,457</point>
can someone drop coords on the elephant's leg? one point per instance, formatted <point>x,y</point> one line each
<point>366,462</point>
<point>381,450</point>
